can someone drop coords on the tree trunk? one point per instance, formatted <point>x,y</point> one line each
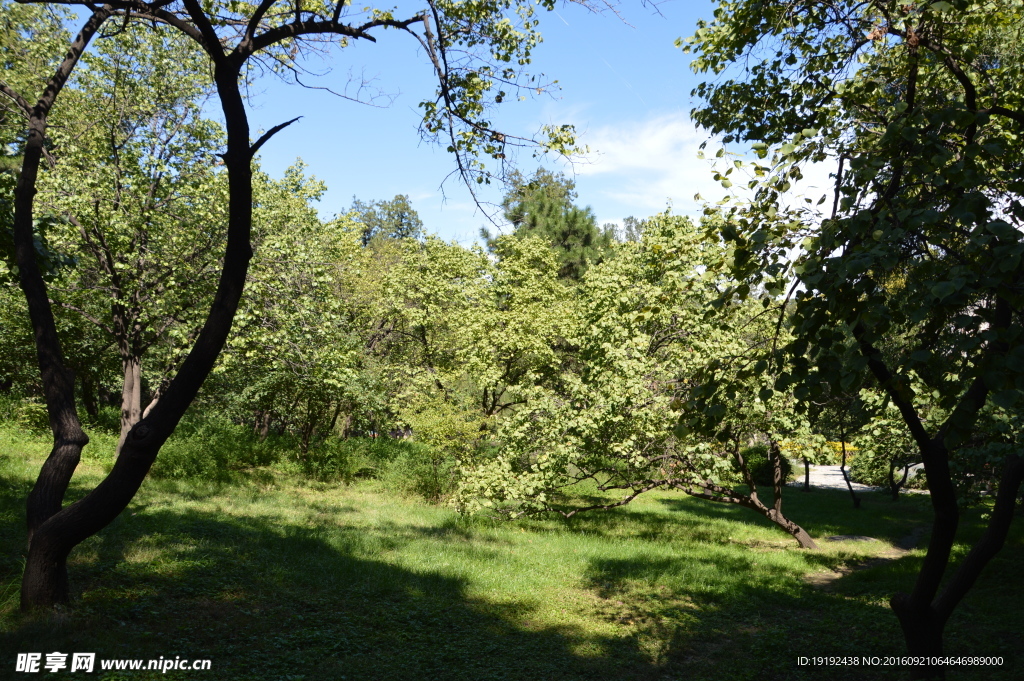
<point>334,417</point>
<point>754,503</point>
<point>131,396</point>
<point>800,534</point>
<point>922,614</point>
<point>922,630</point>
<point>264,424</point>
<point>807,475</point>
<point>58,380</point>
<point>842,469</point>
<point>45,581</point>
<point>775,514</point>
<point>89,400</point>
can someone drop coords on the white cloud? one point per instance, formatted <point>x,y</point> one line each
<point>636,168</point>
<point>642,165</point>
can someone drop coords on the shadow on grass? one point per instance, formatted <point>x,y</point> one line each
<point>265,600</point>
<point>756,621</point>
<point>823,513</point>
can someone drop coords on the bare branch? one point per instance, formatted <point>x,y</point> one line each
<point>270,133</point>
<point>16,98</point>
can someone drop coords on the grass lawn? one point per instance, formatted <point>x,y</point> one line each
<point>275,577</point>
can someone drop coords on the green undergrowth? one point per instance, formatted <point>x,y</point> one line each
<point>272,575</point>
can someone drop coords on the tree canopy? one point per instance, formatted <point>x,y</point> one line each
<point>472,47</point>
<point>918,109</point>
<point>543,206</point>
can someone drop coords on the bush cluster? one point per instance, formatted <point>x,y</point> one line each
<point>213,447</point>
<point>400,465</point>
<point>874,470</point>
<point>760,466</point>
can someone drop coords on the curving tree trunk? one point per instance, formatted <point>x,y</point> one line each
<point>53,531</point>
<point>58,380</point>
<point>923,612</point>
<point>713,492</point>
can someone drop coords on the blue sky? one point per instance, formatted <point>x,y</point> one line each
<point>624,85</point>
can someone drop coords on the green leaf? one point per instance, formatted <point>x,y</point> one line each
<point>944,289</point>
<point>1006,399</point>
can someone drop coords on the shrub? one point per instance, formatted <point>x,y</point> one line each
<point>422,470</point>
<point>212,446</point>
<point>108,420</point>
<point>338,459</point>
<point>26,413</point>
<point>874,470</point>
<point>812,447</point>
<point>760,467</point>
<point>870,470</point>
<point>836,450</point>
<point>400,465</point>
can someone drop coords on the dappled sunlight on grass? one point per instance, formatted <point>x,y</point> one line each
<point>272,576</point>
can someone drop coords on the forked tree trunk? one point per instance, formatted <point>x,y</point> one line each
<point>923,612</point>
<point>713,492</point>
<point>922,631</point>
<point>894,485</point>
<point>53,531</point>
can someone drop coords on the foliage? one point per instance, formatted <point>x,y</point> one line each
<point>394,219</point>
<point>885,448</point>
<point>919,108</point>
<point>543,187</point>
<point>894,110</point>
<point>138,195</point>
<point>762,469</point>
<point>808,445</point>
<point>478,332</point>
<point>979,465</point>
<point>32,39</point>
<point>296,356</point>
<point>644,334</point>
<point>543,207</point>
<point>465,43</point>
<point>207,448</point>
<point>26,414</point>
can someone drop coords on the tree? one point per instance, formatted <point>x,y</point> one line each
<point>394,219</point>
<point>543,207</point>
<point>885,446</point>
<point>646,336</point>
<point>471,46</point>
<point>476,332</point>
<point>632,229</point>
<point>919,106</point>
<point>31,40</point>
<point>297,356</point>
<point>139,202</point>
<point>544,186</point>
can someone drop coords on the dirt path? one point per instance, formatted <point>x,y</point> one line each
<point>825,477</point>
<point>904,546</point>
